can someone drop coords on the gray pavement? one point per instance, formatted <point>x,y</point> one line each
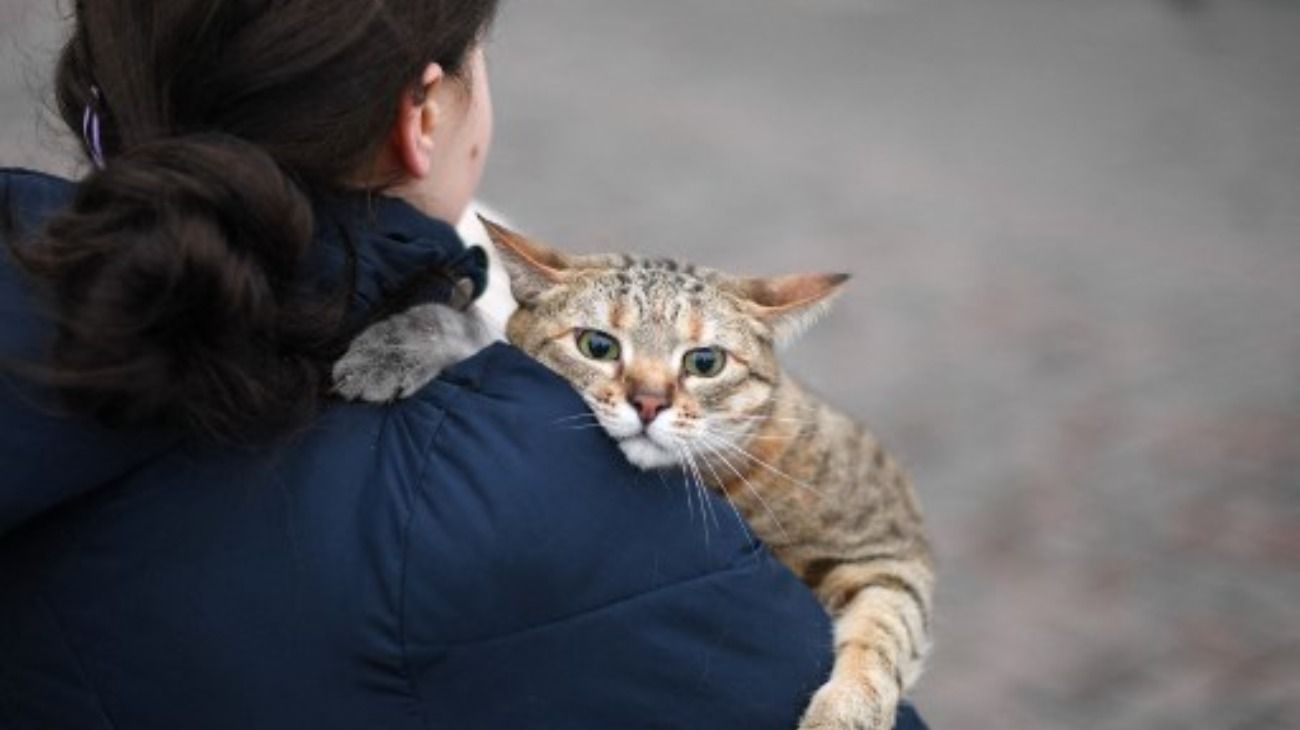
<point>1076,234</point>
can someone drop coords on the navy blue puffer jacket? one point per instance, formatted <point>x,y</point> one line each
<point>456,560</point>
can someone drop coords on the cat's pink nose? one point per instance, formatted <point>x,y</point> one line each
<point>648,406</point>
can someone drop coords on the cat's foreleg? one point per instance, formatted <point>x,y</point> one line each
<point>397,356</point>
<point>881,611</point>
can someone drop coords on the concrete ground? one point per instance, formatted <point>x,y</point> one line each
<point>1076,234</point>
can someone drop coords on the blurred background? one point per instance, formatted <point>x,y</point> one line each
<point>1076,233</point>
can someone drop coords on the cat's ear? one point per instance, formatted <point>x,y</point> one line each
<point>790,304</point>
<point>534,269</point>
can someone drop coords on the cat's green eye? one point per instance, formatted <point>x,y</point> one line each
<point>706,362</point>
<point>599,346</point>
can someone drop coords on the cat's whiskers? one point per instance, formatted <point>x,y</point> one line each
<point>686,485</point>
<point>660,473</point>
<point>711,439</point>
<point>679,448</point>
<point>583,421</point>
<point>585,426</point>
<point>700,485</point>
<point>736,449</point>
<point>705,459</point>
<point>574,417</point>
<point>684,458</point>
<point>679,438</point>
<point>744,433</point>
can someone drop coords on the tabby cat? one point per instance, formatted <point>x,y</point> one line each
<point>678,364</point>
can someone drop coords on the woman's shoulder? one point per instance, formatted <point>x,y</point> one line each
<point>537,556</point>
<point>517,511</point>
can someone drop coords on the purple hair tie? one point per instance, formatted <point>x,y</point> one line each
<point>90,129</point>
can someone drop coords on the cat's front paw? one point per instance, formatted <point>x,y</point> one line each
<point>381,375</point>
<point>843,705</point>
<point>400,355</point>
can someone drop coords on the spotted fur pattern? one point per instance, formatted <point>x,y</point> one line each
<point>810,482</point>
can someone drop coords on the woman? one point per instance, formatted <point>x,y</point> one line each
<point>192,534</point>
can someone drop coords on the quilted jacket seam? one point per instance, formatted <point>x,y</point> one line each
<point>408,675</point>
<point>750,560</point>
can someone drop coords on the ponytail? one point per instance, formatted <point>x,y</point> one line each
<point>172,280</point>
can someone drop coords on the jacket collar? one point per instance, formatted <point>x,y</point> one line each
<point>394,243</point>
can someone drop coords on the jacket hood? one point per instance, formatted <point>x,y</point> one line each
<point>48,458</point>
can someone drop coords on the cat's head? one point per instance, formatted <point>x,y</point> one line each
<point>668,356</point>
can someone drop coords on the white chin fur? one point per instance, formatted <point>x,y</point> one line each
<point>646,454</point>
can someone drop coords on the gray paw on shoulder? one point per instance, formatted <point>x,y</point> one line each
<point>398,356</point>
<point>381,375</point>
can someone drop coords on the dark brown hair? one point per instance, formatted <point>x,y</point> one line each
<point>171,276</point>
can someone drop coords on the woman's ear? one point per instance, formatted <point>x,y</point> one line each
<point>789,304</point>
<point>417,118</point>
